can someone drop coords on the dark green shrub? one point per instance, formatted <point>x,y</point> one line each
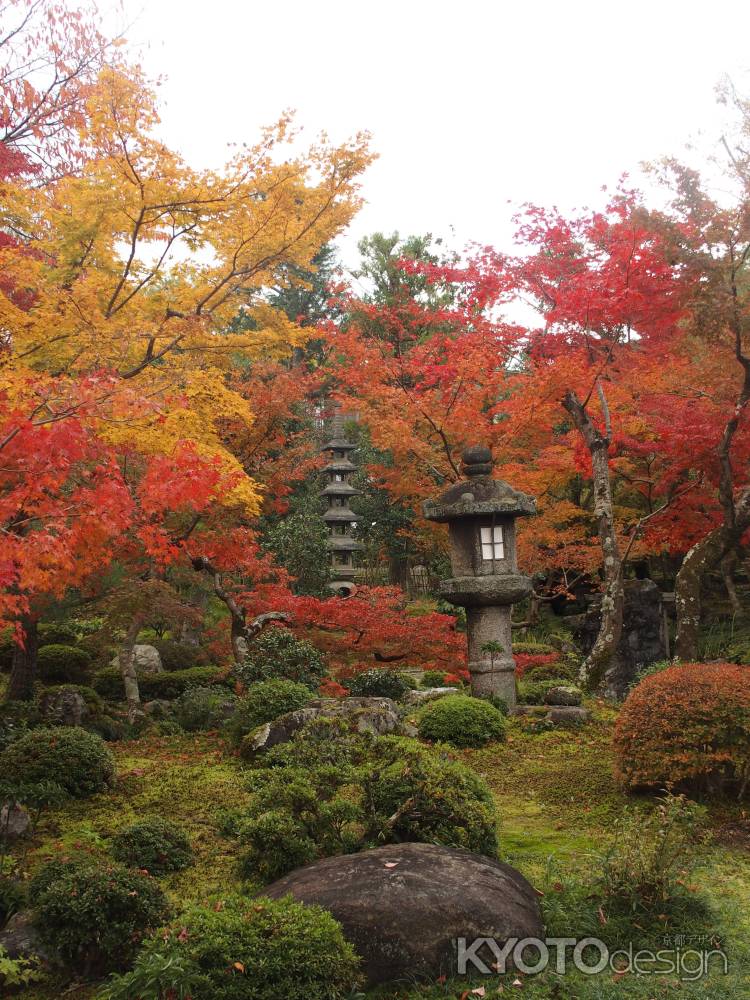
<point>462,721</point>
<point>561,671</point>
<point>331,791</point>
<point>57,634</point>
<point>12,898</point>
<point>533,648</point>
<point>203,708</point>
<point>278,653</point>
<point>496,701</point>
<point>76,760</point>
<point>108,683</point>
<point>94,703</point>
<point>277,843</point>
<point>266,701</point>
<point>60,664</point>
<point>7,648</point>
<point>155,844</point>
<point>245,949</point>
<point>94,917</point>
<point>16,719</point>
<point>180,655</point>
<point>433,679</point>
<point>533,692</point>
<point>376,683</point>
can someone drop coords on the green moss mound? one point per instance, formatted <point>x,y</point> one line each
<point>461,721</point>
<point>78,761</point>
<point>156,845</point>
<point>266,701</point>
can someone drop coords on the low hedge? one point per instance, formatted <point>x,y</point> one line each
<point>167,685</point>
<point>59,664</point>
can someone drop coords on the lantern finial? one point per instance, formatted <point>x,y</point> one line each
<point>477,461</point>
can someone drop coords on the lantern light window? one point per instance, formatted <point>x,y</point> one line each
<point>492,542</point>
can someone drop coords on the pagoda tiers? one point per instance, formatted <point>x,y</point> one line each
<point>339,518</point>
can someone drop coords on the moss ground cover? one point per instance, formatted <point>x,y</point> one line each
<point>558,803</point>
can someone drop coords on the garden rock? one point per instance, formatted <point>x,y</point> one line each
<point>563,695</point>
<point>567,716</point>
<point>147,660</point>
<point>403,906</point>
<point>158,709</point>
<point>14,821</point>
<point>363,715</point>
<point>427,694</point>
<point>20,939</point>
<point>63,707</point>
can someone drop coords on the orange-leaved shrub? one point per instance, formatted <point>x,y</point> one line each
<point>687,728</point>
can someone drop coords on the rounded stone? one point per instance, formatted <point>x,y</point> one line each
<point>404,906</point>
<point>477,461</point>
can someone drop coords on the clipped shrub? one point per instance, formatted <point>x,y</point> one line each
<point>276,843</point>
<point>528,661</point>
<point>57,634</point>
<point>12,898</point>
<point>561,671</point>
<point>154,844</point>
<point>167,686</point>
<point>687,728</point>
<point>376,683</point>
<point>60,664</point>
<point>462,721</point>
<point>433,678</point>
<point>534,648</point>
<point>278,653</point>
<point>203,708</point>
<point>16,719</point>
<point>330,791</point>
<point>266,701</point>
<point>245,949</point>
<point>72,758</point>
<point>180,655</point>
<point>534,692</point>
<point>94,917</point>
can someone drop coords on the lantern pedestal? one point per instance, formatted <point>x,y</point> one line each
<point>481,516</point>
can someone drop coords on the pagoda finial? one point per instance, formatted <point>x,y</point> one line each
<point>477,461</point>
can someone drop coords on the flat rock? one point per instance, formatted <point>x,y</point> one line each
<point>417,697</point>
<point>363,715</point>
<point>403,906</point>
<point>566,716</point>
<point>564,694</point>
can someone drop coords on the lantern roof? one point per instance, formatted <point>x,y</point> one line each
<point>479,493</point>
<point>340,490</point>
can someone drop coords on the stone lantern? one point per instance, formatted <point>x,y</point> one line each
<point>481,516</point>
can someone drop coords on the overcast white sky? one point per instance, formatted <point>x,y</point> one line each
<point>475,106</point>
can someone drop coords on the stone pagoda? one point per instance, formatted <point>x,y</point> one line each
<point>481,516</point>
<point>339,518</point>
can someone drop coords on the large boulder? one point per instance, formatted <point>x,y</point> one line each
<point>20,939</point>
<point>63,706</point>
<point>147,659</point>
<point>404,906</point>
<point>362,715</point>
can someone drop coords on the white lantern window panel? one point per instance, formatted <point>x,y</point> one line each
<point>492,543</point>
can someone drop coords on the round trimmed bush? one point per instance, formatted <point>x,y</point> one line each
<point>57,633</point>
<point>277,843</point>
<point>533,648</point>
<point>78,761</point>
<point>278,653</point>
<point>95,917</point>
<point>59,664</point>
<point>378,684</point>
<point>155,844</point>
<point>180,655</point>
<point>246,949</point>
<point>462,721</point>
<point>559,671</point>
<point>204,708</point>
<point>687,728</point>
<point>266,701</point>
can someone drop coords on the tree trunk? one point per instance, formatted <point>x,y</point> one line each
<point>126,659</point>
<point>604,649</point>
<point>704,555</point>
<point>23,670</point>
<point>728,566</point>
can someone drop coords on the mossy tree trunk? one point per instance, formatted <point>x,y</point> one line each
<point>24,666</point>
<point>126,658</point>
